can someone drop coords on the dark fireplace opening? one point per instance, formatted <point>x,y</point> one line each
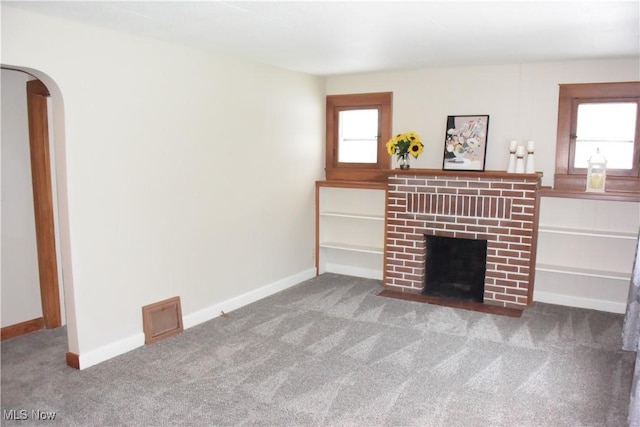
<point>455,268</point>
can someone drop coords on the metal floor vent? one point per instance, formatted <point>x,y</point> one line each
<point>161,320</point>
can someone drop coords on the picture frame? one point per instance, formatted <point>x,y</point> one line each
<point>465,142</point>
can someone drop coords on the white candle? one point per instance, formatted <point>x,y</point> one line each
<point>520,151</point>
<point>530,146</point>
<point>513,145</point>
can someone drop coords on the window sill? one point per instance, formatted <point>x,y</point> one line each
<point>352,184</point>
<point>615,196</point>
<point>352,174</point>
<point>615,184</point>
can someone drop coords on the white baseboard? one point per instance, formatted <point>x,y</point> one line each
<point>573,301</point>
<point>229,305</point>
<point>111,350</point>
<point>127,344</point>
<point>348,270</point>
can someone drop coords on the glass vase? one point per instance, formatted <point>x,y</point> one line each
<point>403,160</point>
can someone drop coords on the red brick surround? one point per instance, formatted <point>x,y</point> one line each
<point>494,206</point>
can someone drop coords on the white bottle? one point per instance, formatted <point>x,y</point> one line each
<point>520,159</point>
<point>511,168</point>
<point>530,168</point>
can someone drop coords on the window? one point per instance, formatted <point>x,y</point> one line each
<point>358,136</point>
<point>609,127</point>
<point>604,117</point>
<point>358,127</point>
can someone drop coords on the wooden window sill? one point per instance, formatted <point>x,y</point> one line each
<point>616,196</point>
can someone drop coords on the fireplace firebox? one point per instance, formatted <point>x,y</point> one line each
<point>455,268</point>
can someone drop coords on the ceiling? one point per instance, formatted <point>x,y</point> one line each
<point>341,37</point>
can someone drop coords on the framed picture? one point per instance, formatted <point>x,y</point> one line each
<point>465,143</point>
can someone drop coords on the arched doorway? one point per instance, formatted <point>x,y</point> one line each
<point>44,210</point>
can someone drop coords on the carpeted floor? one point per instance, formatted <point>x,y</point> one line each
<point>331,352</point>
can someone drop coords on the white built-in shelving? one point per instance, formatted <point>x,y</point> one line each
<point>354,215</point>
<point>352,247</point>
<point>585,252</point>
<point>587,232</point>
<point>350,228</point>
<point>587,272</point>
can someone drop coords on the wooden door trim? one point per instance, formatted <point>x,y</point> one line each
<point>37,94</point>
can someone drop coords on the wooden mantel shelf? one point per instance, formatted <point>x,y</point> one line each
<point>466,174</point>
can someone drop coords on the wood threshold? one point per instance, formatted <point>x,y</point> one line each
<point>466,305</point>
<point>21,328</point>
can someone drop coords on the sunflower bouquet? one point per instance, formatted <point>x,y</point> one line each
<point>405,143</point>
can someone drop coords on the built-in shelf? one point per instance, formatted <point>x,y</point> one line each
<point>589,233</point>
<point>352,248</point>
<point>603,274</point>
<point>350,228</point>
<point>353,215</point>
<point>585,247</point>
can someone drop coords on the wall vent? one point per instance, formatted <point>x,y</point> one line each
<point>161,320</point>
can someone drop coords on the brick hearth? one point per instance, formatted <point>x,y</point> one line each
<point>494,206</point>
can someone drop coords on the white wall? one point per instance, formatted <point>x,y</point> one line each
<point>179,173</point>
<point>520,99</point>
<point>20,284</point>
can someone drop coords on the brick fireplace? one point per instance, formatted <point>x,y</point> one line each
<point>497,207</point>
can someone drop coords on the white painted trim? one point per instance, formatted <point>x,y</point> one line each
<point>229,305</point>
<point>110,350</point>
<point>127,344</point>
<point>573,301</point>
<point>368,273</point>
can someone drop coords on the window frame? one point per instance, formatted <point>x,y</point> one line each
<point>569,178</point>
<point>336,170</point>
<point>635,168</point>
